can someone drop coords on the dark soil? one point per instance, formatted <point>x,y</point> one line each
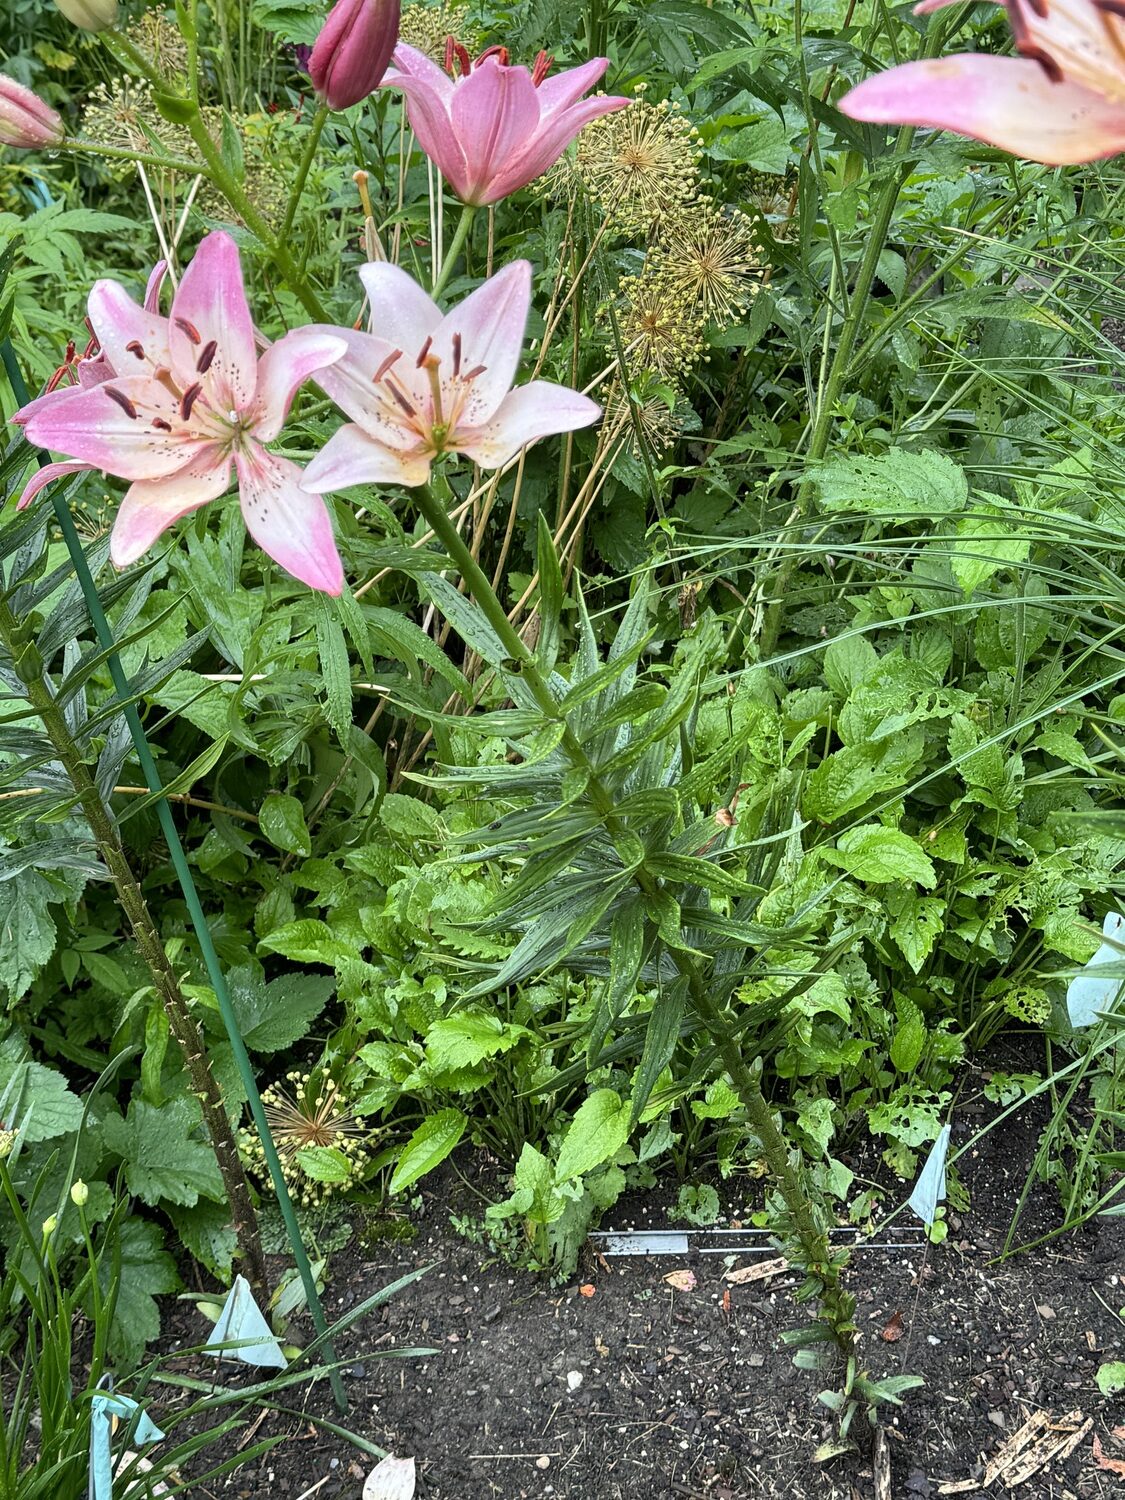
<point>680,1396</point>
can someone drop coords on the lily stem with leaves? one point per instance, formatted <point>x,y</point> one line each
<point>182,1023</point>
<point>456,245</point>
<point>811,1235</point>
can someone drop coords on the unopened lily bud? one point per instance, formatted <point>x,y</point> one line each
<point>353,50</point>
<point>89,15</point>
<point>79,1194</point>
<point>49,1226</point>
<point>7,1141</point>
<point>25,120</point>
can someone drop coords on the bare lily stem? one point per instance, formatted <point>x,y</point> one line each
<point>180,1019</point>
<point>811,1235</point>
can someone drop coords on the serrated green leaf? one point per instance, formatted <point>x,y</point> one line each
<point>163,1157</point>
<point>428,1147</point>
<point>881,855</point>
<point>598,1131</point>
<point>282,820</point>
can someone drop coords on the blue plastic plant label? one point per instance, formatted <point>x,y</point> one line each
<point>929,1190</point>
<point>1087,995</point>
<point>240,1319</point>
<point>106,1407</point>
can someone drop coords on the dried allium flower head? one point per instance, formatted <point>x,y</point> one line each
<point>123,114</point>
<point>772,198</point>
<point>312,1117</point>
<point>661,333</point>
<point>640,163</point>
<point>160,40</point>
<point>267,140</point>
<point>710,256</point>
<point>644,416</point>
<point>427,27</point>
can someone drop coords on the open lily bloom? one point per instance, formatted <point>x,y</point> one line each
<point>495,128</point>
<point>430,383</point>
<point>172,402</point>
<point>1061,101</point>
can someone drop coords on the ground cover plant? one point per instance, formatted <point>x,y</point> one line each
<point>560,608</point>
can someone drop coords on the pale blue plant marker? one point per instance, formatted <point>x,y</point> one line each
<point>104,1407</point>
<point>1086,995</point>
<point>242,1319</point>
<point>929,1190</point>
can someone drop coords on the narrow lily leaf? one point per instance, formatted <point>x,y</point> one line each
<point>1087,995</point>
<point>105,1407</point>
<point>241,1319</point>
<point>929,1190</point>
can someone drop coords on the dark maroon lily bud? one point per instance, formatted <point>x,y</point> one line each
<point>354,50</point>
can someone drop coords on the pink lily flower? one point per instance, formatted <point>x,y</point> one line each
<point>1061,101</point>
<point>92,369</point>
<point>430,384</point>
<point>182,398</point>
<point>495,128</point>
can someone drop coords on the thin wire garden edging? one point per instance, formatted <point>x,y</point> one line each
<point>104,633</point>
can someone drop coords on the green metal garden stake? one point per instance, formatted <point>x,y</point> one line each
<point>104,632</point>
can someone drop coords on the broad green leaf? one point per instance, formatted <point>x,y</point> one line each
<point>1111,1378</point>
<point>916,923</point>
<point>275,1015</point>
<point>598,1131</point>
<point>326,1164</point>
<point>848,662</point>
<point>428,1147</point>
<point>899,484</point>
<point>308,941</point>
<point>335,670</point>
<point>283,822</point>
<point>37,1099</point>
<point>165,1160</point>
<point>881,855</point>
<point>467,1038</point>
<point>147,1271</point>
<point>985,544</point>
<point>27,930</point>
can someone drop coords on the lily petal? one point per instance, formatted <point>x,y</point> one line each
<point>495,112</point>
<point>554,135</point>
<point>283,369</point>
<point>45,476</point>
<point>1008,102</point>
<point>287,522</point>
<point>491,323</point>
<point>531,411</point>
<point>567,87</point>
<point>350,383</point>
<point>429,93</point>
<point>91,426</point>
<point>150,506</point>
<point>210,305</point>
<point>118,321</point>
<point>401,312</point>
<point>351,457</point>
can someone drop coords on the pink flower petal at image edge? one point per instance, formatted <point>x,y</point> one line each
<point>494,130</point>
<point>1062,102</point>
<point>1008,102</point>
<point>187,396</point>
<point>428,384</point>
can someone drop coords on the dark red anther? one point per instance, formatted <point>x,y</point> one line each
<point>122,401</point>
<point>421,360</point>
<point>68,358</point>
<point>501,55</point>
<point>401,399</point>
<point>190,329</point>
<point>464,59</point>
<point>475,371</point>
<point>541,67</point>
<point>188,399</point>
<point>450,44</point>
<point>456,355</point>
<point>390,360</point>
<point>203,363</point>
<point>161,424</point>
<point>136,348</point>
